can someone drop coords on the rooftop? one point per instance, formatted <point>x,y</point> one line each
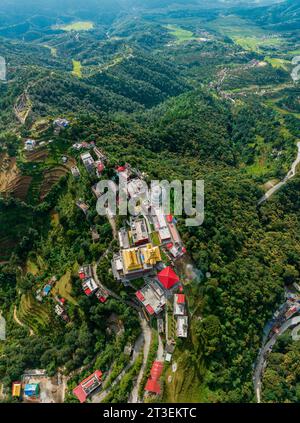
<point>168,278</point>
<point>182,326</point>
<point>152,297</point>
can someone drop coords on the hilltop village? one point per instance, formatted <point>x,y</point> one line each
<point>146,260</point>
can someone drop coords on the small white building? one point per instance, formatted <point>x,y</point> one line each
<point>179,305</point>
<point>30,145</point>
<point>182,327</point>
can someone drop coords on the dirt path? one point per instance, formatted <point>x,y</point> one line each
<point>147,335</point>
<point>16,319</point>
<point>99,397</point>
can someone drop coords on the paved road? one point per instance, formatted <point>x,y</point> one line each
<point>290,175</point>
<point>296,333</point>
<point>261,363</point>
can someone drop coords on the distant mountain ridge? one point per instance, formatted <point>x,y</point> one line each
<point>282,16</point>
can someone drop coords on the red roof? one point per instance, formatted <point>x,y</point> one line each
<point>100,167</point>
<point>62,300</point>
<point>121,169</point>
<point>156,370</point>
<point>167,277</point>
<point>140,296</point>
<point>79,393</point>
<point>82,275</point>
<point>149,309</point>
<point>181,288</point>
<point>152,386</point>
<point>183,250</point>
<point>170,245</point>
<point>169,218</point>
<point>97,373</point>
<point>102,299</point>
<point>87,291</point>
<point>180,298</point>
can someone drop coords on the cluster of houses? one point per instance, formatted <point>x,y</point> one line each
<point>149,247</point>
<point>92,166</point>
<point>29,391</point>
<point>89,285</point>
<point>59,124</point>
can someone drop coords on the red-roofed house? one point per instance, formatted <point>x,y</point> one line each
<point>87,386</point>
<point>152,386</point>
<point>140,296</point>
<point>149,309</point>
<point>169,218</point>
<point>168,278</point>
<point>82,275</point>
<point>179,305</point>
<point>156,370</point>
<point>100,167</point>
<point>87,291</point>
<point>180,299</point>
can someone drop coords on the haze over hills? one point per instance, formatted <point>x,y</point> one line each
<point>178,90</point>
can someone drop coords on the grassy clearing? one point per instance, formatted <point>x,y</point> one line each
<point>64,287</point>
<point>53,50</point>
<point>54,219</point>
<point>155,238</point>
<point>184,385</point>
<point>257,43</point>
<point>262,164</point>
<point>76,26</point>
<point>244,33</point>
<point>278,63</point>
<point>77,68</point>
<point>181,35</point>
<point>32,268</point>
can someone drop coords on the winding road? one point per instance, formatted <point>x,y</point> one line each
<point>290,175</point>
<point>261,362</point>
<point>100,396</point>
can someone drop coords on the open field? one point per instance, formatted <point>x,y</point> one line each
<point>64,287</point>
<point>244,33</point>
<point>278,63</point>
<point>31,267</point>
<point>76,26</point>
<point>181,35</point>
<point>77,68</point>
<point>53,50</point>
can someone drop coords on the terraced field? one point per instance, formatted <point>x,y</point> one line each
<point>19,187</point>
<point>33,314</point>
<point>50,178</point>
